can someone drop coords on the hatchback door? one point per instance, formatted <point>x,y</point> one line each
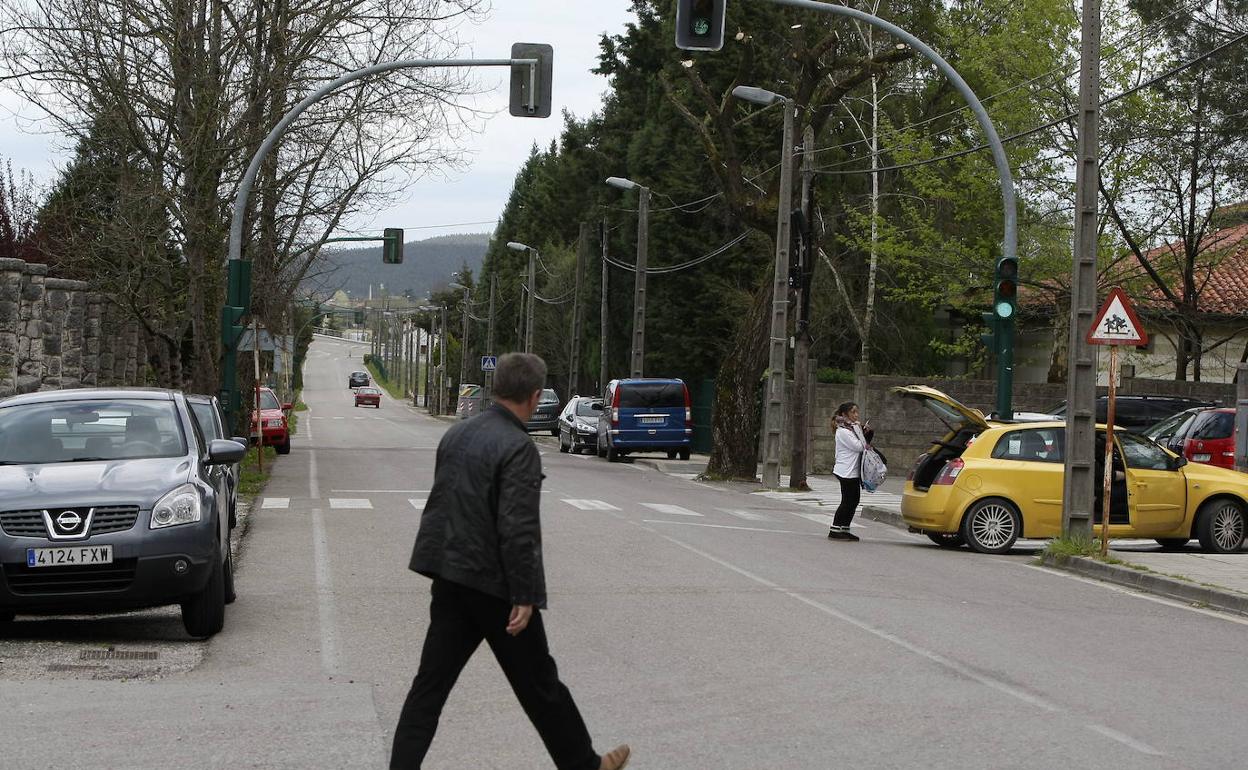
<point>651,412</point>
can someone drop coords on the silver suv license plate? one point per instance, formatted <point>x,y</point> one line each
<point>69,557</point>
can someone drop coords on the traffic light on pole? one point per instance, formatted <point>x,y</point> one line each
<point>231,325</point>
<point>700,24</point>
<point>989,338</point>
<point>530,93</point>
<point>392,246</point>
<point>1005,288</point>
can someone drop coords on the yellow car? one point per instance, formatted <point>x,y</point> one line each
<point>985,484</point>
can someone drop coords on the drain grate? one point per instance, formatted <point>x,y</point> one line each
<point>119,655</point>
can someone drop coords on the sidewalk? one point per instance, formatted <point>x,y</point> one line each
<point>1218,581</point>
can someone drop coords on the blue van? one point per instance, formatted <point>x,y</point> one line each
<point>645,415</point>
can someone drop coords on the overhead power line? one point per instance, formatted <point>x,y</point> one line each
<point>683,265</point>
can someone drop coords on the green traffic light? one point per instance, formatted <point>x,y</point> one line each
<point>701,26</point>
<point>1005,309</point>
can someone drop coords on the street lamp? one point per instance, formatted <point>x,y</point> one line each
<point>528,322</point>
<point>463,342</point>
<point>637,358</point>
<point>777,361</point>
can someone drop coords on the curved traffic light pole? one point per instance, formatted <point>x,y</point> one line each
<point>229,365</point>
<point>1009,248</point>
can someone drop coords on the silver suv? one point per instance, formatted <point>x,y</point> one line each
<point>113,500</point>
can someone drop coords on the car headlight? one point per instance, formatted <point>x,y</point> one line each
<point>272,423</point>
<point>584,426</point>
<point>181,506</point>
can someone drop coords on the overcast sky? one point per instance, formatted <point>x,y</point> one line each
<point>476,194</point>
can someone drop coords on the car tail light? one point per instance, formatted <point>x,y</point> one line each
<point>615,407</point>
<point>949,473</point>
<point>688,409</point>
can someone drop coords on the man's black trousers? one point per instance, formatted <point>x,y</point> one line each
<point>460,618</point>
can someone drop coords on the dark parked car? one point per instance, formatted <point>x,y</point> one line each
<point>546,416</point>
<point>207,413</point>
<point>578,424</point>
<point>645,415</point>
<point>357,379</point>
<point>113,500</point>
<point>1137,412</point>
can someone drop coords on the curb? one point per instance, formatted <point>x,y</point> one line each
<point>884,516</point>
<point>1151,582</point>
<point>681,466</point>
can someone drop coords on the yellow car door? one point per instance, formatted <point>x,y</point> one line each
<point>1157,489</point>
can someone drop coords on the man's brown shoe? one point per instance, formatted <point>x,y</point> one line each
<point>616,758</point>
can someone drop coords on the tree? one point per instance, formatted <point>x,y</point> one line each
<point>18,201</point>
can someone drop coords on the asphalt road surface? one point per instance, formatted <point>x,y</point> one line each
<point>707,626</point>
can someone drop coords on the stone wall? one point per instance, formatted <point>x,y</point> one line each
<point>904,428</point>
<point>56,333</point>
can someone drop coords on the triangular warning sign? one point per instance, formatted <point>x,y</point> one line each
<point>1117,323</point>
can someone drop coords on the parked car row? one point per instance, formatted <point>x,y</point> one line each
<point>117,499</point>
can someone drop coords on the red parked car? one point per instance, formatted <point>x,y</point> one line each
<point>368,397</point>
<point>1211,438</point>
<point>275,431</point>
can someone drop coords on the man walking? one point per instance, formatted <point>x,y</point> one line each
<point>480,541</point>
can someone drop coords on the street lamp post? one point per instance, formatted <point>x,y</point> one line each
<point>777,360</point>
<point>532,291</point>
<point>463,341</point>
<point>637,357</point>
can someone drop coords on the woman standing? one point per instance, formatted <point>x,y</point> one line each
<point>851,442</point>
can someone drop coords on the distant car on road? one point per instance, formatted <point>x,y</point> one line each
<point>578,424</point>
<point>274,428</point>
<point>357,379</point>
<point>645,415</point>
<point>469,402</point>
<point>546,416</point>
<point>207,413</point>
<point>986,484</point>
<point>113,500</point>
<point>1137,413</point>
<point>368,397</point>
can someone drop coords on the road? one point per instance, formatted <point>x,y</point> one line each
<point>707,626</point>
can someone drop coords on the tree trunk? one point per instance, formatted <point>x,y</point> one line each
<point>738,416</point>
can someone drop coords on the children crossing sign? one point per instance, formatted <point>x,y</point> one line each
<point>1117,323</point>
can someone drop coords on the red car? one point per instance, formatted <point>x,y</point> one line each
<point>368,397</point>
<point>1211,438</point>
<point>275,431</point>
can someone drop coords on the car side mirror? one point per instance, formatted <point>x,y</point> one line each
<point>596,407</point>
<point>224,452</point>
<point>240,440</point>
<point>287,407</point>
<point>1177,462</point>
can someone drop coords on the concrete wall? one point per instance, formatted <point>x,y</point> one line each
<point>56,334</point>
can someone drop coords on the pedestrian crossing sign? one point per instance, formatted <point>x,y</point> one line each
<point>489,363</point>
<point>1117,323</point>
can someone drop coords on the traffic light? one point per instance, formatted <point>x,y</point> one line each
<point>700,24</point>
<point>359,317</point>
<point>530,87</point>
<point>1005,288</point>
<point>231,325</point>
<point>392,246</point>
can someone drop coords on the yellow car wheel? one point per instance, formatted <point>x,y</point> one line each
<point>992,525</point>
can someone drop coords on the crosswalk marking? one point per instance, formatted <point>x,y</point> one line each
<point>276,502</point>
<point>418,504</point>
<point>747,515</point>
<point>351,503</point>
<point>671,510</point>
<point>591,505</point>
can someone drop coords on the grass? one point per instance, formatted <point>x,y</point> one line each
<point>251,481</point>
<point>390,386</point>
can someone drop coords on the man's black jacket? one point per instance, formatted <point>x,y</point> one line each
<point>481,527</point>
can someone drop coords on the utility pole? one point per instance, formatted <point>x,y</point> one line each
<point>429,362</point>
<point>602,344</point>
<point>1080,469</point>
<point>574,358</point>
<point>639,284</point>
<point>774,422</point>
<point>528,324</point>
<point>442,366</point>
<point>520,326</point>
<point>463,345</point>
<point>801,354</point>
<point>488,395</point>
<point>1241,418</point>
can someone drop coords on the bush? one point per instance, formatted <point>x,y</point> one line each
<point>832,376</point>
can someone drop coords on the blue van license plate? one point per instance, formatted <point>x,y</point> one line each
<point>652,420</point>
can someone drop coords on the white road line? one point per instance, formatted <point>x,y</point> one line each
<point>418,504</point>
<point>671,510</point>
<point>729,526</point>
<point>591,505</point>
<point>1125,740</point>
<point>350,503</point>
<point>324,595</point>
<point>747,515</point>
<point>385,491</point>
<point>276,502</point>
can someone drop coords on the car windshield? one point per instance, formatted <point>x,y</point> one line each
<point>105,429</point>
<point>549,397</point>
<point>269,401</point>
<point>585,408</point>
<point>206,420</point>
<point>652,395</point>
<point>367,392</point>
